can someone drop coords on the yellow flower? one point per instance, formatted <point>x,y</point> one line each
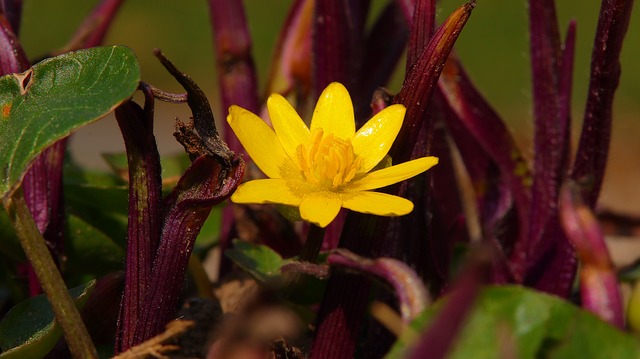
<point>325,167</point>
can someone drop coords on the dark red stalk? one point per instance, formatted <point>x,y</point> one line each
<point>408,238</point>
<point>93,29</point>
<point>553,263</point>
<point>423,24</point>
<point>145,213</point>
<point>593,148</point>
<point>599,286</point>
<point>12,11</point>
<point>408,9</point>
<point>212,177</point>
<point>408,289</point>
<point>384,47</point>
<point>421,80</point>
<point>564,92</point>
<point>337,45</point>
<point>549,126</point>
<point>332,44</point>
<point>12,56</point>
<point>234,63</point>
<point>343,306</point>
<point>470,113</point>
<point>206,183</point>
<point>445,206</point>
<point>43,192</point>
<point>237,79</point>
<point>291,62</point>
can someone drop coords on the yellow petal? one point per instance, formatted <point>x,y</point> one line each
<point>334,112</point>
<point>260,141</point>
<point>320,208</point>
<point>289,127</point>
<point>393,174</point>
<point>374,139</point>
<point>380,204</point>
<point>272,190</point>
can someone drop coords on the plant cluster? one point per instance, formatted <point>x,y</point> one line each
<point>337,242</point>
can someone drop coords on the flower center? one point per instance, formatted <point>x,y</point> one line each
<point>327,161</point>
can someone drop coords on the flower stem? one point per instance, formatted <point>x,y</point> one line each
<point>53,285</point>
<point>313,244</point>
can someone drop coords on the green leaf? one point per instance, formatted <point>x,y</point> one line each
<point>99,199</point>
<point>89,251</point>
<point>29,330</point>
<point>258,260</point>
<point>210,233</point>
<point>535,324</point>
<point>56,97</point>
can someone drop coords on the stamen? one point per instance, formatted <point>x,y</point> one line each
<point>328,161</point>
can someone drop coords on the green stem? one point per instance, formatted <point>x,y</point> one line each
<point>53,285</point>
<point>313,244</point>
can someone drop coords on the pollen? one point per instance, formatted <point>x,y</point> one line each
<point>327,161</point>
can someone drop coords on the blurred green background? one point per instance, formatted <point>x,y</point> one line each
<point>493,46</point>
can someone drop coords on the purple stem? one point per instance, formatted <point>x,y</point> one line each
<point>331,44</point>
<point>408,287</point>
<point>593,149</point>
<point>341,314</point>
<point>206,183</point>
<point>291,61</point>
<point>145,209</point>
<point>494,163</point>
<point>95,26</point>
<point>212,177</point>
<point>384,46</point>
<point>553,265</point>
<point>421,80</point>
<point>423,24</point>
<point>236,70</point>
<point>555,270</point>
<point>237,78</point>
<point>599,286</point>
<point>12,56</point>
<point>564,92</point>
<point>12,11</point>
<point>549,137</point>
<point>408,9</point>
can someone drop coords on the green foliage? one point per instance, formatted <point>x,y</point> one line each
<point>260,261</point>
<point>533,324</point>
<point>90,251</point>
<point>29,329</point>
<point>56,97</point>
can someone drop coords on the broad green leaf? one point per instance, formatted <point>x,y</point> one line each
<point>99,199</point>
<point>89,251</point>
<point>29,329</point>
<point>535,325</point>
<point>258,260</point>
<point>210,233</point>
<point>56,97</point>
